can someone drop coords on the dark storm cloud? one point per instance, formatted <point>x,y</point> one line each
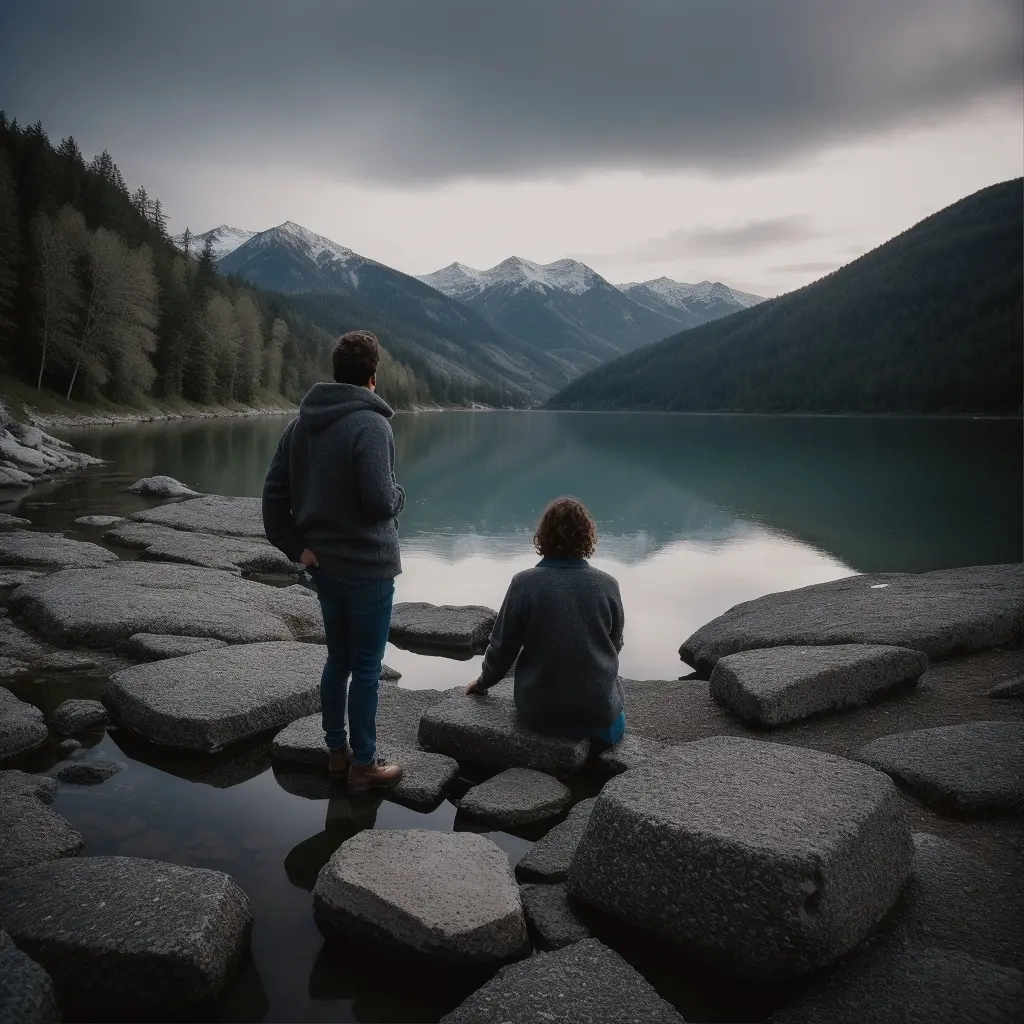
<point>426,90</point>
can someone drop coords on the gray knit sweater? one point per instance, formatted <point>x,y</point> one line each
<point>564,620</point>
<point>331,486</point>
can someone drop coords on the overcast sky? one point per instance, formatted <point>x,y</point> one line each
<point>762,143</point>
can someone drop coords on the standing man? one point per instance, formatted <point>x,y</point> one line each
<point>329,501</point>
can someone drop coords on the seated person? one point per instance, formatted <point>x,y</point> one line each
<point>563,619</point>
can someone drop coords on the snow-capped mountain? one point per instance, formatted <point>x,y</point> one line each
<point>690,304</point>
<point>225,239</point>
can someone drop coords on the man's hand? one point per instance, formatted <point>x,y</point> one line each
<point>474,687</point>
<point>308,559</point>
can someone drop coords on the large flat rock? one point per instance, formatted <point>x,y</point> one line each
<point>22,728</point>
<point>30,830</point>
<point>129,938</point>
<point>213,513</point>
<point>447,627</point>
<point>580,984</point>
<point>449,897</point>
<point>26,990</point>
<point>485,730</point>
<point>549,858</point>
<point>969,768</point>
<point>551,916</point>
<point>207,701</point>
<point>784,684</point>
<point>765,860</point>
<point>232,554</point>
<point>516,797</point>
<point>952,611</point>
<point>631,751</point>
<point>103,607</point>
<point>50,551</point>
<point>99,521</point>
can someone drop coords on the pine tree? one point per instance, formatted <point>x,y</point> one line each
<point>222,339</point>
<point>206,272</point>
<point>157,218</point>
<point>273,356</point>
<point>140,200</point>
<point>186,243</point>
<point>10,247</point>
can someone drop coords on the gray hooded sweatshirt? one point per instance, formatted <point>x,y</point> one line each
<point>331,486</point>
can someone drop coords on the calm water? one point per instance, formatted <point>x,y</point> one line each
<point>695,513</point>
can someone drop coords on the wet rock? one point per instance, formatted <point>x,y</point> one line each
<point>20,785</point>
<point>8,520</point>
<point>784,684</point>
<point>50,551</point>
<point>77,715</point>
<point>446,896</point>
<point>22,646</point>
<point>161,487</point>
<point>516,797</point>
<point>229,517</point>
<point>22,728</point>
<point>448,627</point>
<point>485,730</point>
<point>128,938</point>
<point>765,860</point>
<point>30,831</point>
<point>1011,689</point>
<point>154,647</point>
<point>389,674</point>
<point>102,607</point>
<point>926,985</point>
<point>88,773</point>
<point>580,984</point>
<point>206,701</point>
<point>974,767</point>
<point>548,859</point>
<point>26,990</point>
<point>102,521</point>
<point>551,918</point>
<point>952,611</point>
<point>631,751</point>
<point>11,579</point>
<point>232,554</point>
<point>68,746</point>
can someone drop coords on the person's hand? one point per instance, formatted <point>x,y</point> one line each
<point>308,559</point>
<point>474,687</point>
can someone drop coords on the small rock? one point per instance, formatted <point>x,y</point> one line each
<point>631,751</point>
<point>580,984</point>
<point>389,675</point>
<point>161,487</point>
<point>446,896</point>
<point>22,728</point>
<point>213,513</point>
<point>68,746</point>
<point>88,773</point>
<point>516,797</point>
<point>50,551</point>
<point>448,627</point>
<point>26,990</point>
<point>78,715</point>
<point>548,860</point>
<point>154,647</point>
<point>104,521</point>
<point>30,831</point>
<point>7,520</point>
<point>1008,690</point>
<point>552,921</point>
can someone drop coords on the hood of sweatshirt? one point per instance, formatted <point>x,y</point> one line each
<point>326,403</point>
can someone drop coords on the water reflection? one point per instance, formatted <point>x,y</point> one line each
<point>344,818</point>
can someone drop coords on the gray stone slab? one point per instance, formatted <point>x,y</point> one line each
<point>944,613</point>
<point>969,768</point>
<point>785,684</point>
<point>551,917</point>
<point>516,797</point>
<point>11,579</point>
<point>125,937</point>
<point>766,860</point>
<point>161,487</point>
<point>1009,690</point>
<point>232,554</point>
<point>919,987</point>
<point>448,897</point>
<point>580,984</point>
<point>26,990</point>
<point>50,551</point>
<point>230,517</point>
<point>77,715</point>
<point>99,521</point>
<point>485,730</point>
<point>156,647</point>
<point>30,831</point>
<point>31,651</point>
<point>103,607</point>
<point>88,773</point>
<point>8,521</point>
<point>549,858</point>
<point>22,728</point>
<point>448,627</point>
<point>631,751</point>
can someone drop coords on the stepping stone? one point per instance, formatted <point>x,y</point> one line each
<point>581,984</point>
<point>550,917</point>
<point>486,731</point>
<point>30,831</point>
<point>207,701</point>
<point>974,767</point>
<point>103,521</point>
<point>448,897</point>
<point>102,607</point>
<point>784,684</point>
<point>232,554</point>
<point>229,517</point>
<point>154,647</point>
<point>516,797</point>
<point>78,715</point>
<point>548,859</point>
<point>31,651</point>
<point>161,487</point>
<point>447,627</point>
<point>50,551</point>
<point>88,773</point>
<point>631,751</point>
<point>944,613</point>
<point>924,986</point>
<point>6,520</point>
<point>11,579</point>
<point>22,728</point>
<point>1011,689</point>
<point>129,938</point>
<point>26,990</point>
<point>765,860</point>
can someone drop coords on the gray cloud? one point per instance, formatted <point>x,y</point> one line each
<point>811,267</point>
<point>409,90</point>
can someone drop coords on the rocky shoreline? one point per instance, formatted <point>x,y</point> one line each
<point>63,421</point>
<point>827,813</point>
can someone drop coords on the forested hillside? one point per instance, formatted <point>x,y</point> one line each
<point>929,322</point>
<point>96,302</point>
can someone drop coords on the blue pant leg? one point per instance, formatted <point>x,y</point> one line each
<point>369,616</point>
<point>334,681</point>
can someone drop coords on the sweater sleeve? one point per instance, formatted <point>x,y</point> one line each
<point>506,640</point>
<point>618,620</point>
<point>379,493</point>
<point>278,523</point>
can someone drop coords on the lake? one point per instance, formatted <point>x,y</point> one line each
<point>696,513</point>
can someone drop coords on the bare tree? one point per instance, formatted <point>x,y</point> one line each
<point>58,242</point>
<point>273,356</point>
<point>222,339</point>
<point>250,348</point>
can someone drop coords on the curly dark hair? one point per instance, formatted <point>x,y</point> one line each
<point>566,530</point>
<point>355,358</point>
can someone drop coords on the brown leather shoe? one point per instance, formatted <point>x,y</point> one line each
<point>339,762</point>
<point>378,773</point>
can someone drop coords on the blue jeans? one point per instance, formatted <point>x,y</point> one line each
<point>357,618</point>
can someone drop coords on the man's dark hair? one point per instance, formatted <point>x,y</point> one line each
<point>355,358</point>
<point>566,530</point>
